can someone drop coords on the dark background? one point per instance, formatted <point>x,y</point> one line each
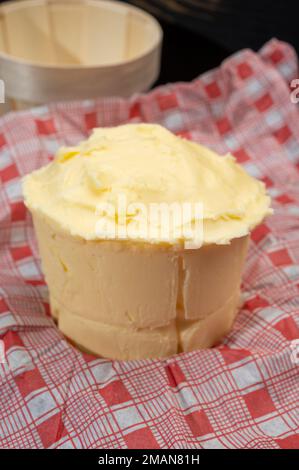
<point>199,34</point>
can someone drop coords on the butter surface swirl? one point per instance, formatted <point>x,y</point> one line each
<point>147,164</point>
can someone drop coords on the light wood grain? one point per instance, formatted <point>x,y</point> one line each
<point>53,50</point>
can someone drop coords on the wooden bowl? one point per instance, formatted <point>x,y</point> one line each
<point>57,50</point>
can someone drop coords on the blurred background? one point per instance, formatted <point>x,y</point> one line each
<point>56,50</point>
<point>199,34</point>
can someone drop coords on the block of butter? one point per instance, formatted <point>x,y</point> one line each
<point>143,236</point>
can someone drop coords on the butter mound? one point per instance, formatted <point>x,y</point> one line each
<point>148,164</point>
<point>136,298</point>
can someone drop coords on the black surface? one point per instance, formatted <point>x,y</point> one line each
<point>199,34</point>
<point>186,54</point>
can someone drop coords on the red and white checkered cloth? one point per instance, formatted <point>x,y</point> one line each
<point>242,394</point>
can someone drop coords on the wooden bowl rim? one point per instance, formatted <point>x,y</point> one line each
<point>11,5</point>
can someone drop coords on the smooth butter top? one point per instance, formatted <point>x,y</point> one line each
<point>145,163</point>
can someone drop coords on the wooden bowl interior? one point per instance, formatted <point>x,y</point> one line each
<point>75,32</point>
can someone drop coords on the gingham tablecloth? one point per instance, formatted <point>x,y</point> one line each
<point>243,393</point>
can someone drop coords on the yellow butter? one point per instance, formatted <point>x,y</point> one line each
<point>148,164</point>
